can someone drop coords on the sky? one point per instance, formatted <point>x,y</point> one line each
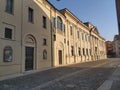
<point>101,13</point>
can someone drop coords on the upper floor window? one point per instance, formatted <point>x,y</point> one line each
<point>30,15</point>
<point>59,23</point>
<point>71,32</point>
<point>54,37</point>
<point>78,34</point>
<point>9,6</point>
<point>44,41</point>
<point>86,37</point>
<point>89,38</point>
<point>8,33</point>
<point>44,22</point>
<point>82,36</point>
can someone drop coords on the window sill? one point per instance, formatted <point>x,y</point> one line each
<point>9,13</point>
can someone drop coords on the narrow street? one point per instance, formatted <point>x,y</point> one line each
<point>83,76</point>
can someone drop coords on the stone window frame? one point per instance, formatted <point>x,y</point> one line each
<point>8,35</point>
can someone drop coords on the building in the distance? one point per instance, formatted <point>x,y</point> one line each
<point>110,49</point>
<point>36,36</point>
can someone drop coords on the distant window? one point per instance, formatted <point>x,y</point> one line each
<point>72,50</point>
<point>54,37</point>
<point>79,51</point>
<point>86,37</point>
<point>64,40</point>
<point>44,54</point>
<point>89,38</point>
<point>71,31</point>
<point>8,53</point>
<point>68,43</point>
<point>9,6</point>
<point>83,51</point>
<point>44,41</point>
<point>87,51</point>
<point>59,23</point>
<point>44,22</point>
<point>8,33</point>
<point>30,15</point>
<point>82,36</point>
<point>78,34</point>
<point>90,51</point>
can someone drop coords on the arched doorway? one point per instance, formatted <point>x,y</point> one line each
<point>30,44</point>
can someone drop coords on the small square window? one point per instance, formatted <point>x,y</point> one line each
<point>44,41</point>
<point>8,33</point>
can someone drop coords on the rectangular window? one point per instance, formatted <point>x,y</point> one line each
<point>86,51</point>
<point>78,34</point>
<point>68,43</point>
<point>83,51</point>
<point>86,37</point>
<point>82,36</point>
<point>79,51</point>
<point>44,41</point>
<point>71,32</point>
<point>72,50</point>
<point>30,15</point>
<point>54,37</point>
<point>9,6</point>
<point>44,22</point>
<point>90,51</point>
<point>64,40</point>
<point>89,38</point>
<point>8,33</point>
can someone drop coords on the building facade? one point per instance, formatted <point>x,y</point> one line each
<point>118,14</point>
<point>110,48</point>
<point>35,36</point>
<point>117,37</point>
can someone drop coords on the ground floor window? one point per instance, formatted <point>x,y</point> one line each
<point>8,54</point>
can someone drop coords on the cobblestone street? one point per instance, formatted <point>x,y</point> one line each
<point>83,76</point>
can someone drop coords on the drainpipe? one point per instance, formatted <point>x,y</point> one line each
<point>21,31</point>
